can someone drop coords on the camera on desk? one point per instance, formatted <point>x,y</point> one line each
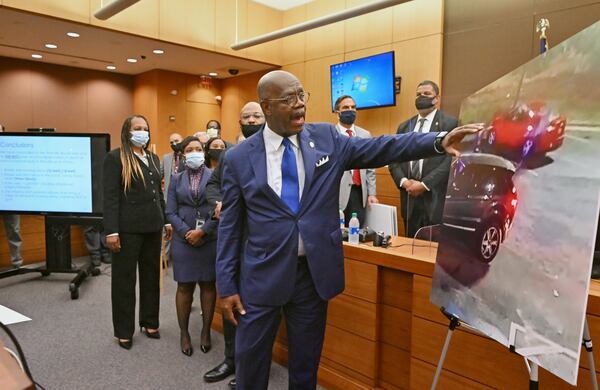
<point>382,240</point>
<point>367,234</point>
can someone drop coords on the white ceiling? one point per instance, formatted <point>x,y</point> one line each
<point>23,34</point>
<point>282,5</point>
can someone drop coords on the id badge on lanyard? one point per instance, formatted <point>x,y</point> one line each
<point>199,222</point>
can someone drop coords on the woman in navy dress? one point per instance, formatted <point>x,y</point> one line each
<point>193,246</point>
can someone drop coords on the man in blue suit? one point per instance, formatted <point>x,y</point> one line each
<point>283,184</point>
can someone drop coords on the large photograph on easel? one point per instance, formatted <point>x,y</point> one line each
<point>521,211</point>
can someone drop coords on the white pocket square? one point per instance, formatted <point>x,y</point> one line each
<point>322,161</point>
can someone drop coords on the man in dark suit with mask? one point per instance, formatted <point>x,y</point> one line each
<point>423,183</point>
<point>252,120</point>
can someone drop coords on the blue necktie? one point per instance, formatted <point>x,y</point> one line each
<point>290,189</point>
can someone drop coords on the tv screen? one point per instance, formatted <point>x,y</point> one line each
<point>52,173</point>
<point>369,80</point>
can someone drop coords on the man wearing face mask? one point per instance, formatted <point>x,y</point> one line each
<point>423,183</point>
<point>252,120</point>
<point>357,187</point>
<point>172,163</point>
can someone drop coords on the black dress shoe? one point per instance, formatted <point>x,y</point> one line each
<point>106,260</point>
<point>219,373</point>
<point>187,351</point>
<point>232,384</point>
<point>125,344</point>
<point>152,335</point>
<point>96,262</point>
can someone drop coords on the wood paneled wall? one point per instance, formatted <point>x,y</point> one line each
<point>69,99</point>
<point>175,102</point>
<point>207,24</point>
<point>484,40</point>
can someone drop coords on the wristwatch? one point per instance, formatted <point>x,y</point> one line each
<point>437,144</point>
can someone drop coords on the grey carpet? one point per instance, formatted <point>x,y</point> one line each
<point>69,344</point>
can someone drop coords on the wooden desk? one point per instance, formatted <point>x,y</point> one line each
<point>383,333</point>
<point>11,376</point>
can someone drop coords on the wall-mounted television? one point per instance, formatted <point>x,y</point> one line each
<point>369,80</point>
<point>52,173</point>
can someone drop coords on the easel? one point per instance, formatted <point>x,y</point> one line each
<point>531,367</point>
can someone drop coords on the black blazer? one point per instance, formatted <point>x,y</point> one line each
<point>434,174</point>
<point>141,208</point>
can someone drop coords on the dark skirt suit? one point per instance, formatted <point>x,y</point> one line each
<point>190,263</point>
<point>138,216</point>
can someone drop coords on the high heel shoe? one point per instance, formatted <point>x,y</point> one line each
<point>186,351</point>
<point>125,344</point>
<point>205,348</point>
<point>152,335</point>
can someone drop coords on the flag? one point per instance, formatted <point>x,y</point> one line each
<point>541,27</point>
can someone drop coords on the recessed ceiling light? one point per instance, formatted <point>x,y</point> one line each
<point>131,60</point>
<point>37,56</point>
<point>111,67</point>
<point>158,51</point>
<point>73,34</point>
<point>51,46</point>
<point>213,74</point>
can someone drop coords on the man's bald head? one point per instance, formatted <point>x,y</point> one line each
<point>271,84</point>
<point>250,108</point>
<point>280,95</point>
<point>175,138</point>
<point>251,119</point>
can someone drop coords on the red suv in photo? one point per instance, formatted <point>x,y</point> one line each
<point>528,130</point>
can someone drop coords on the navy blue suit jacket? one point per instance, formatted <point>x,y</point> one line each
<point>182,210</point>
<point>262,267</point>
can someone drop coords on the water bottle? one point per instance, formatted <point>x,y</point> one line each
<point>342,220</point>
<point>353,229</point>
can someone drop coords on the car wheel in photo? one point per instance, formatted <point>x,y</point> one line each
<point>489,242</point>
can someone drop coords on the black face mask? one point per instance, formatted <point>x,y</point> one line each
<point>347,117</point>
<point>250,130</point>
<point>176,147</point>
<point>423,102</point>
<point>215,154</point>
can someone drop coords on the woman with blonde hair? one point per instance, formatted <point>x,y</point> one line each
<point>133,221</point>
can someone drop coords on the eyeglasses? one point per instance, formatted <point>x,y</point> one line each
<point>291,100</point>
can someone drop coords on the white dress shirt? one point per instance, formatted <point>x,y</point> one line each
<point>426,128</point>
<point>274,150</point>
<point>344,131</point>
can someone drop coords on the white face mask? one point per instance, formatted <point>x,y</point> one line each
<point>194,160</point>
<point>212,132</point>
<point>139,138</point>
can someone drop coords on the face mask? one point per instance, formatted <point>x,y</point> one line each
<point>423,102</point>
<point>347,117</point>
<point>176,147</point>
<point>250,130</point>
<point>139,138</point>
<point>215,154</point>
<point>212,132</point>
<point>194,160</point>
